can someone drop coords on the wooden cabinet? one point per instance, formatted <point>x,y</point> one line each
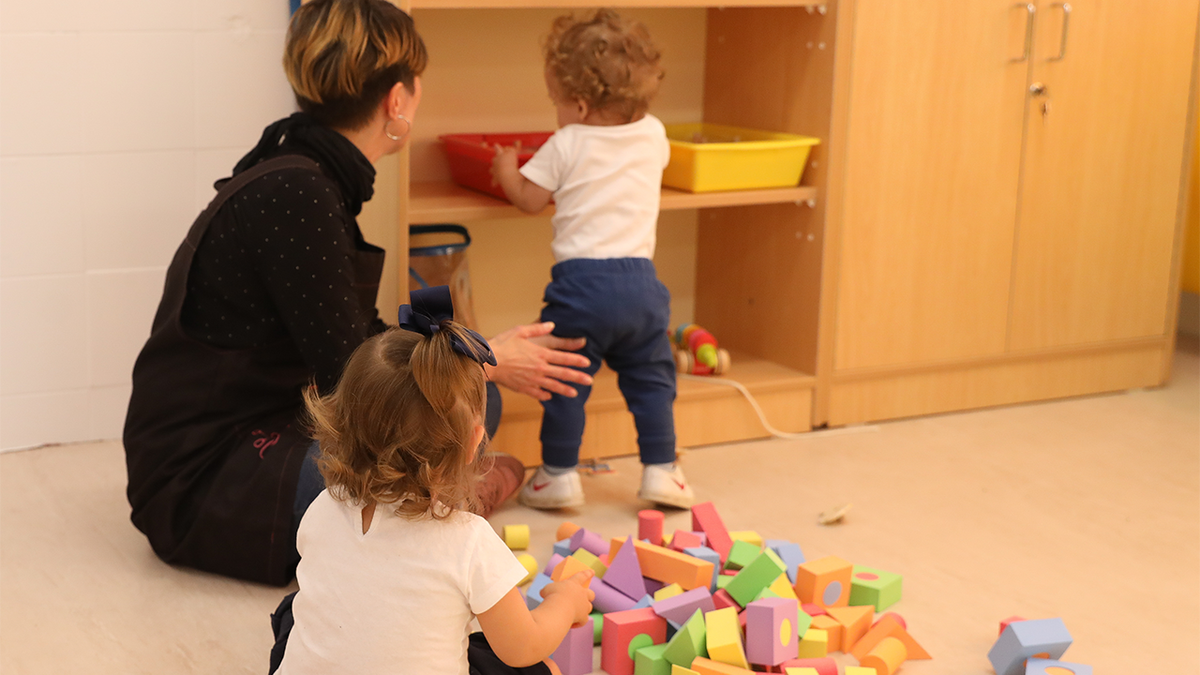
<point>1007,220</point>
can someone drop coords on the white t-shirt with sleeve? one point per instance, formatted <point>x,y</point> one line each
<point>606,182</point>
<point>398,599</point>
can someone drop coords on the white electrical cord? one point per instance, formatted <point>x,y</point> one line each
<point>753,403</point>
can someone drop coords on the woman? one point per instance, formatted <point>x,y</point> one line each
<point>272,290</point>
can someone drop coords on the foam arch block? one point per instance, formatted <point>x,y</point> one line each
<point>620,628</point>
<point>825,582</point>
<point>1024,639</point>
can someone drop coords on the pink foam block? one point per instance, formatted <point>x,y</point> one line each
<point>574,655</point>
<point>683,539</point>
<point>589,541</point>
<point>771,635</point>
<point>622,627</point>
<point>722,599</point>
<point>680,608</point>
<point>706,519</point>
<point>650,526</point>
<point>609,599</point>
<point>625,573</point>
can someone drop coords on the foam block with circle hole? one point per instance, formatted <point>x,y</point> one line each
<point>1044,638</point>
<point>723,637</point>
<point>1036,666</point>
<point>885,658</point>
<point>870,586</point>
<point>620,628</point>
<point>771,636</point>
<point>824,582</point>
<point>574,654</point>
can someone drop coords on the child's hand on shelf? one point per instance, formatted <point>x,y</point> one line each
<point>504,162</point>
<point>575,589</point>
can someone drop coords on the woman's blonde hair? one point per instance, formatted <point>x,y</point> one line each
<point>397,428</point>
<point>343,56</point>
<point>606,61</point>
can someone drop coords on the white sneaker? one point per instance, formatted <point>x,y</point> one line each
<point>545,491</point>
<point>668,488</point>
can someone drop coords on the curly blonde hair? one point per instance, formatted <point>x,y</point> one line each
<point>606,61</point>
<point>397,428</point>
<point>343,56</point>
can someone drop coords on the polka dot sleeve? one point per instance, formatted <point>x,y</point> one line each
<point>301,244</point>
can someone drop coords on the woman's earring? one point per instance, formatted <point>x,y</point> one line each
<point>407,128</point>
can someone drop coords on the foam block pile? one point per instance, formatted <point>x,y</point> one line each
<point>708,601</point>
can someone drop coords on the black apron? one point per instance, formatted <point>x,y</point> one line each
<point>213,437</point>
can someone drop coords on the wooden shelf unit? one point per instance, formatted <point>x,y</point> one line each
<point>816,6</point>
<point>438,202</point>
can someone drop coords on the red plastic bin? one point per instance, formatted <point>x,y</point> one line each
<point>471,156</point>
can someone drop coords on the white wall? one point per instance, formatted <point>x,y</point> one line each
<point>115,119</point>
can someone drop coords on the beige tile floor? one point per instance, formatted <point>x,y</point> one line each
<point>1086,509</point>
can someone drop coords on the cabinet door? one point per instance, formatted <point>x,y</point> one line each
<point>1102,172</point>
<point>937,106</point>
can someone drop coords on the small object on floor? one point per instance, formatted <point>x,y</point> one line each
<point>594,468</point>
<point>834,516</point>
<point>516,537</point>
<point>1024,639</point>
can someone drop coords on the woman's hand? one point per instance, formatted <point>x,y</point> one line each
<point>531,361</point>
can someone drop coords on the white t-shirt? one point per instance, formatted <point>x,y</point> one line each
<point>397,599</point>
<point>606,183</point>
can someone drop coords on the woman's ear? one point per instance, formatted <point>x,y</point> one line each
<point>403,101</point>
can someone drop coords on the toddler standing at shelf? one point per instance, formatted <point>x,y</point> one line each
<point>603,167</point>
<point>394,565</point>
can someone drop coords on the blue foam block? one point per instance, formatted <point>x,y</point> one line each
<point>533,595</point>
<point>789,553</point>
<point>1023,639</point>
<point>706,553</point>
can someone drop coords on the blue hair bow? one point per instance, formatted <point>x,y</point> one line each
<point>430,307</point>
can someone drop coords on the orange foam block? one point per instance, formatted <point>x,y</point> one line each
<point>825,582</point>
<point>565,531</point>
<point>855,621</point>
<point>709,667</point>
<point>833,631</point>
<point>887,627</point>
<point>569,567</point>
<point>667,566</point>
<point>886,657</point>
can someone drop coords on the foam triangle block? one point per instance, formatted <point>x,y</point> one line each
<point>625,573</point>
<point>855,620</point>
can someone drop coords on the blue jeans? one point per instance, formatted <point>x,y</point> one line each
<point>624,311</point>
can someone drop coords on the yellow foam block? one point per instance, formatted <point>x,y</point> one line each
<point>589,559</point>
<point>669,591</point>
<point>748,536</point>
<point>531,566</point>
<point>783,587</point>
<point>516,537</point>
<point>815,644</point>
<point>805,671</point>
<point>723,636</point>
<point>859,670</point>
<point>833,631</point>
<point>680,670</point>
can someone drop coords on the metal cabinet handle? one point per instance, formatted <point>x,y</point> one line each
<point>1062,45</point>
<point>1030,9</point>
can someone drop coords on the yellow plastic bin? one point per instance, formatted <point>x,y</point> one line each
<point>711,157</point>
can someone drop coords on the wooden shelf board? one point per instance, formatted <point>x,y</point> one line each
<point>438,202</point>
<point>815,5</point>
<point>757,375</point>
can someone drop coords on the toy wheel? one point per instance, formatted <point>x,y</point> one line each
<point>683,361</point>
<point>724,361</point>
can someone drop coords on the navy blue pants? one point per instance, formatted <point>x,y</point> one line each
<point>624,311</point>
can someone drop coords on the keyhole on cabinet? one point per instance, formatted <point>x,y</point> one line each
<point>1045,110</point>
